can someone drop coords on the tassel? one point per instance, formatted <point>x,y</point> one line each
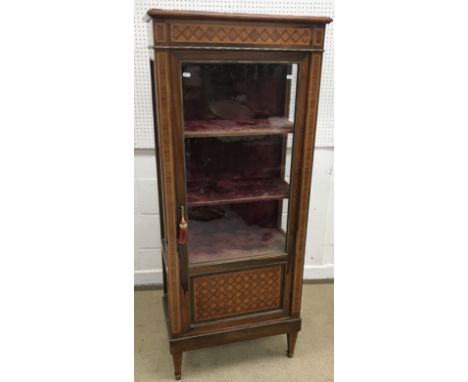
<point>182,228</point>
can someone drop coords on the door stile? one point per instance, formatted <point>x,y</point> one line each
<point>304,186</point>
<point>296,165</point>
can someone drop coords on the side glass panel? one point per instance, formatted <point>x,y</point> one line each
<point>238,128</point>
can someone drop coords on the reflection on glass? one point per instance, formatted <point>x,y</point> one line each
<point>236,98</point>
<point>238,138</point>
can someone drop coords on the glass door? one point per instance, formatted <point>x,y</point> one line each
<point>238,133</point>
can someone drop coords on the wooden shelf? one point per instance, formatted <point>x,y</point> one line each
<point>229,239</point>
<point>227,128</point>
<point>235,191</point>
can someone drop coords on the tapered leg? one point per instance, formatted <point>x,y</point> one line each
<point>177,358</point>
<point>292,337</point>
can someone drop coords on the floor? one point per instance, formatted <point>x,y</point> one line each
<point>257,360</point>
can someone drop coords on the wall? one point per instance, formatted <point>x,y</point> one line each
<point>319,249</point>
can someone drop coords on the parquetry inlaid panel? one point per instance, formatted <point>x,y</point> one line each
<point>210,33</point>
<point>235,293</point>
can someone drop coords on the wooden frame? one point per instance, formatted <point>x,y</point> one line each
<point>179,37</point>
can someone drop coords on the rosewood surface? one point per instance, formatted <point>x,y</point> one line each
<point>193,15</point>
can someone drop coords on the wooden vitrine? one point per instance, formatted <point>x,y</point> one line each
<point>235,102</point>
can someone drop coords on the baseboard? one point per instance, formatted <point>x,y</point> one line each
<point>143,287</point>
<point>148,277</point>
<point>319,272</point>
<point>152,277</point>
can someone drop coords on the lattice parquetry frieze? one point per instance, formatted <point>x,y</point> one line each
<point>209,33</point>
<point>236,293</point>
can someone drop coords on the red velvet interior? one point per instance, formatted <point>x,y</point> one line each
<point>225,191</point>
<point>245,230</point>
<point>260,88</point>
<point>235,158</point>
<point>215,127</point>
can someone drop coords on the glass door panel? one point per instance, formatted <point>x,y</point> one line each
<point>238,128</point>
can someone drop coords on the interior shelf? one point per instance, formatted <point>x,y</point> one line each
<point>230,239</point>
<point>235,191</point>
<point>232,128</point>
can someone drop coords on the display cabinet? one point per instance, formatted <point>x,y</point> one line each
<point>235,101</point>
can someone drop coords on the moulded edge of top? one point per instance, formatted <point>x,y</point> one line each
<point>168,14</point>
